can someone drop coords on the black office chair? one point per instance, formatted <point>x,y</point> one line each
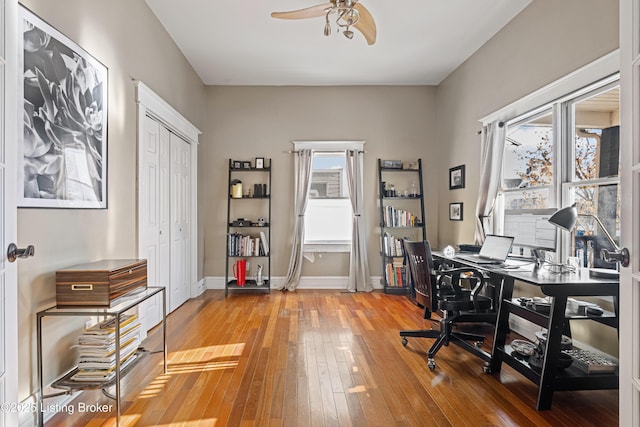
<point>440,289</point>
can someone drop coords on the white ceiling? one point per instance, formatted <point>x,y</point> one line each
<point>419,42</point>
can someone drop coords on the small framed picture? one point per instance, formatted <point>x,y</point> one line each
<point>246,165</point>
<point>456,177</point>
<point>237,164</point>
<point>455,211</point>
<point>259,162</point>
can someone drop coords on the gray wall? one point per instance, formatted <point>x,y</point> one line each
<point>248,122</point>
<point>126,37</point>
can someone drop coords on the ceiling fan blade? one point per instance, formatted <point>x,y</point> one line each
<point>309,12</point>
<point>366,25</point>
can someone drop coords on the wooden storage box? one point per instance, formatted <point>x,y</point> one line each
<point>99,283</point>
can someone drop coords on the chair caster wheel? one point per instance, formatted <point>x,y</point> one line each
<point>404,341</point>
<point>478,344</point>
<point>431,364</point>
<point>486,370</point>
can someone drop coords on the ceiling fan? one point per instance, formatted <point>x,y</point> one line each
<point>347,13</point>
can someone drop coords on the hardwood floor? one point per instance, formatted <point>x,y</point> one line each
<point>322,358</point>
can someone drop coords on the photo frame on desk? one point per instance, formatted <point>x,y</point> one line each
<point>259,162</point>
<point>456,177</point>
<point>455,211</point>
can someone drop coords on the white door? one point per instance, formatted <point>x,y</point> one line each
<point>630,217</point>
<point>179,217</point>
<point>154,214</point>
<point>166,199</point>
<point>8,230</point>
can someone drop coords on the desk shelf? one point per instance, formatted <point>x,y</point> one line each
<point>608,318</point>
<point>567,379</point>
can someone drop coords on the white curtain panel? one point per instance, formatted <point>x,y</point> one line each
<point>304,161</point>
<point>359,265</point>
<point>492,152</point>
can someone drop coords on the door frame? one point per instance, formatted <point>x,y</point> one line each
<point>152,105</point>
<point>629,317</point>
<point>11,117</point>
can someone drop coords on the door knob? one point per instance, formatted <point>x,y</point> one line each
<point>14,253</point>
<point>621,256</point>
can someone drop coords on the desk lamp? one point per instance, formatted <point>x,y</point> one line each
<point>566,218</point>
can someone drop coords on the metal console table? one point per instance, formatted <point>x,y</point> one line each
<point>115,310</point>
<point>558,287</point>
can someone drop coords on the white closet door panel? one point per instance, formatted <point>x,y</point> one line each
<point>180,154</point>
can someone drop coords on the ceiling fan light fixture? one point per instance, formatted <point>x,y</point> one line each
<point>350,16</point>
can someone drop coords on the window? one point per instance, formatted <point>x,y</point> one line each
<point>593,179</point>
<point>568,152</point>
<point>328,216</point>
<point>527,177</point>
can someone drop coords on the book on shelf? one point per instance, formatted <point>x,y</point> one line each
<point>102,375</point>
<point>392,246</point>
<point>399,218</point>
<point>239,244</point>
<point>97,348</point>
<point>265,242</point>
<point>396,274</point>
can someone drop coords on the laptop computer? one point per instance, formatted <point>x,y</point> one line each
<point>494,250</point>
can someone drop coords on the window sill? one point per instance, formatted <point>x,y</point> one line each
<point>326,247</point>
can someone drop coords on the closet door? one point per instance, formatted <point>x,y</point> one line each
<point>180,213</point>
<point>154,214</point>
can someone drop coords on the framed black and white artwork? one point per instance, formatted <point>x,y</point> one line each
<point>456,177</point>
<point>63,152</point>
<point>455,211</point>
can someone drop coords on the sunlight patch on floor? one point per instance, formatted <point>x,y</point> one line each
<point>209,352</point>
<point>357,389</point>
<point>201,359</point>
<point>154,387</point>
<point>196,423</point>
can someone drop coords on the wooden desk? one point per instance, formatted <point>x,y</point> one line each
<point>559,287</point>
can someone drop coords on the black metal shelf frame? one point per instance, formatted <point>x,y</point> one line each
<point>230,282</point>
<point>384,200</point>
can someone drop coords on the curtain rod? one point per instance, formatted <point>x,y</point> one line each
<point>331,151</point>
<point>500,124</point>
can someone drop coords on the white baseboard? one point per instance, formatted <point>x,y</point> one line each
<point>306,282</point>
<point>51,406</point>
<point>198,288</point>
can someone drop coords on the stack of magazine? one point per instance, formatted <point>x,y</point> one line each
<point>97,348</point>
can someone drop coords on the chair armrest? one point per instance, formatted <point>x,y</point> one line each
<point>474,274</point>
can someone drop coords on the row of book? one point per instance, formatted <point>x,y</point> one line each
<point>396,273</point>
<point>239,244</point>
<point>392,246</point>
<point>97,349</point>
<point>399,218</point>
